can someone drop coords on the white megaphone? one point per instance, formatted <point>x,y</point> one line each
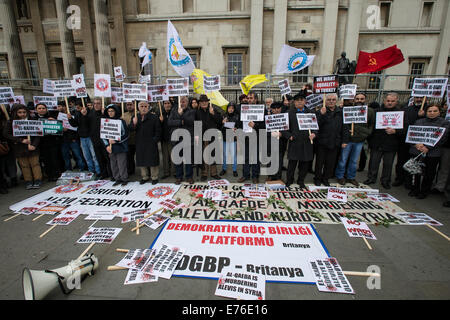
<point>37,283</point>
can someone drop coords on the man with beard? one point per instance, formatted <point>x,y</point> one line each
<point>350,153</point>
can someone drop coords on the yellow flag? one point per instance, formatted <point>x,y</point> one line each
<point>250,81</point>
<point>215,97</point>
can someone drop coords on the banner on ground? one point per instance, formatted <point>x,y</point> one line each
<point>237,284</point>
<point>330,277</point>
<point>50,102</point>
<point>418,218</point>
<point>133,92</point>
<point>252,112</point>
<point>277,122</point>
<point>357,229</point>
<point>158,93</point>
<point>23,128</point>
<point>326,84</point>
<point>428,136</point>
<point>213,246</point>
<point>178,87</point>
<point>102,85</point>
<point>212,83</point>
<point>307,121</point>
<point>429,87</point>
<point>284,86</point>
<point>392,119</point>
<point>63,88</point>
<point>355,114</point>
<point>314,100</point>
<point>110,129</point>
<point>347,91</point>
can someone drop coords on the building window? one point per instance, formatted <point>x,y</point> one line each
<point>375,80</point>
<point>22,9</point>
<point>385,12</point>
<point>33,71</point>
<point>234,68</point>
<point>427,12</point>
<point>235,5</point>
<point>417,69</point>
<point>4,73</point>
<point>81,69</point>
<point>142,7</point>
<point>188,5</point>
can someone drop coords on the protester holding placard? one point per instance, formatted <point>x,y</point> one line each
<point>70,144</point>
<point>166,144</point>
<point>422,184</point>
<point>276,109</point>
<point>81,121</point>
<point>333,136</point>
<point>384,144</point>
<point>128,117</point>
<point>148,134</point>
<point>117,149</point>
<point>412,114</point>
<point>351,152</point>
<point>300,150</point>
<point>49,146</point>
<point>229,121</point>
<point>26,149</point>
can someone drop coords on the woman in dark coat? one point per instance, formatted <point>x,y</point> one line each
<point>148,134</point>
<point>422,184</point>
<point>300,150</point>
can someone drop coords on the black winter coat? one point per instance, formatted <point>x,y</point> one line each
<point>332,130</point>
<point>386,142</point>
<point>148,134</point>
<point>433,152</point>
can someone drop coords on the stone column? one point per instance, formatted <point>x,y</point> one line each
<point>11,40</point>
<point>256,30</point>
<point>328,43</point>
<point>279,30</point>
<point>119,34</point>
<point>443,48</point>
<point>355,11</point>
<point>66,37</point>
<point>42,51</point>
<point>102,31</point>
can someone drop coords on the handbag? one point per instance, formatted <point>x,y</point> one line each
<point>414,165</point>
<point>4,149</point>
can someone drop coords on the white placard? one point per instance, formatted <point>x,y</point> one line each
<point>357,229</point>
<point>178,87</point>
<point>145,79</point>
<point>330,277</point>
<point>100,235</point>
<point>307,121</point>
<point>380,197</point>
<point>256,194</point>
<point>118,74</point>
<point>314,100</point>
<point>6,95</point>
<point>158,93</point>
<point>117,95</point>
<point>137,277</point>
<point>23,128</point>
<point>277,122</point>
<point>218,183</point>
<point>392,119</point>
<point>229,125</point>
<point>63,88</point>
<point>104,215</point>
<point>133,92</point>
<point>134,215</point>
<point>102,85</point>
<point>165,261</point>
<point>252,112</point>
<point>237,284</point>
<point>212,83</point>
<point>213,194</point>
<point>347,91</point>
<point>51,209</point>
<point>18,100</point>
<point>428,136</point>
<point>79,86</point>
<point>355,114</point>
<point>50,102</point>
<point>136,258</point>
<point>34,207</point>
<point>284,86</point>
<point>110,129</point>
<point>48,86</point>
<point>418,218</point>
<point>447,117</point>
<point>155,221</point>
<point>429,87</point>
<point>337,194</point>
<point>65,217</point>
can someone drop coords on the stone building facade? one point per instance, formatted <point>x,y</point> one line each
<point>232,38</point>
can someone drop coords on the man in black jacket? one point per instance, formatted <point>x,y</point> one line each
<point>384,144</point>
<point>333,136</point>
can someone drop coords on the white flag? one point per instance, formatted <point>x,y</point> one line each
<point>146,54</point>
<point>293,60</point>
<point>178,57</point>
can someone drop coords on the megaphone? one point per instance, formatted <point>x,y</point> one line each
<point>37,284</point>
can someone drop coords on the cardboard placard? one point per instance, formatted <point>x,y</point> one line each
<point>79,86</point>
<point>104,215</point>
<point>118,74</point>
<point>252,112</point>
<point>155,221</point>
<point>66,217</point>
<point>284,86</point>
<point>256,194</point>
<point>6,95</point>
<point>136,258</point>
<point>330,277</point>
<point>18,100</point>
<point>50,102</point>
<point>33,208</point>
<point>237,284</point>
<point>355,114</point>
<point>337,194</point>
<point>23,128</point>
<point>117,95</point>
<point>326,84</point>
<point>277,122</point>
<point>48,86</point>
<point>100,235</point>
<point>164,263</point>
<point>307,121</point>
<point>137,277</point>
<point>102,85</point>
<point>429,87</point>
<point>218,183</point>
<point>178,87</point>
<point>415,218</point>
<point>51,209</point>
<point>428,136</point>
<point>211,84</point>
<point>133,92</point>
<point>357,229</point>
<point>314,100</point>
<point>381,197</point>
<point>53,127</point>
<point>348,91</point>
<point>63,88</point>
<point>134,215</point>
<point>158,93</point>
<point>392,119</point>
<point>110,129</point>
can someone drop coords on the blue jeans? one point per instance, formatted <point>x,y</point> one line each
<point>179,171</point>
<point>350,154</point>
<point>76,152</point>
<point>89,155</point>
<point>229,148</point>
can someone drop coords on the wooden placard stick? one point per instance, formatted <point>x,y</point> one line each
<point>367,243</point>
<point>38,217</point>
<point>103,104</point>
<point>10,218</point>
<point>135,109</point>
<point>82,101</point>
<point>123,111</point>
<point>438,232</point>
<point>137,227</point>
<point>5,112</point>
<point>122,250</point>
<point>86,251</point>
<point>361,274</point>
<point>160,109</point>
<point>115,268</point>
<point>48,230</point>
<point>312,142</point>
<point>423,103</point>
<point>353,129</point>
<point>67,105</point>
<point>146,217</point>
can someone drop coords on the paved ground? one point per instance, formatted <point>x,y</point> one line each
<point>414,260</point>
